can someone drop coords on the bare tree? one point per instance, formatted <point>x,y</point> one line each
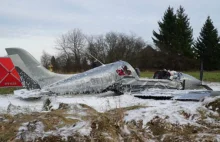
<point>62,45</point>
<point>96,48</point>
<point>62,61</point>
<point>45,59</point>
<point>111,41</point>
<point>72,44</point>
<point>115,46</point>
<point>123,47</point>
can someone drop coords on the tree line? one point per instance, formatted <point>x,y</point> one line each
<point>174,47</point>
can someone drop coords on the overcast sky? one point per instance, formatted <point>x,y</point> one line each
<point>36,24</point>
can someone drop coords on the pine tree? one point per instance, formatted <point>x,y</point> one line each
<point>207,46</point>
<point>54,63</point>
<point>166,36</point>
<point>184,34</point>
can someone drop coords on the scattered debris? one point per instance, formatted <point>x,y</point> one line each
<point>47,105</point>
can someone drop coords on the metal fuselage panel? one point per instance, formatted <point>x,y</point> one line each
<point>94,80</point>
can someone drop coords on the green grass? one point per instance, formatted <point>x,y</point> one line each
<point>148,74</point>
<point>213,76</point>
<point>8,90</point>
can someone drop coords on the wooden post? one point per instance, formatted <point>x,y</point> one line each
<point>201,70</point>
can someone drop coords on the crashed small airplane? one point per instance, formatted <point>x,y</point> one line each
<point>119,77</point>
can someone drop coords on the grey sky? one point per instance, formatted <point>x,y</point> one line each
<point>35,24</point>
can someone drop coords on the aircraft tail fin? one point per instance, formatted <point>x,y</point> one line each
<point>26,80</point>
<point>9,77</point>
<point>32,68</point>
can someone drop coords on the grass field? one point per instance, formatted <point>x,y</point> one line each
<point>212,76</point>
<point>8,90</point>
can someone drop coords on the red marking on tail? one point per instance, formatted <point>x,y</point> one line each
<point>8,75</point>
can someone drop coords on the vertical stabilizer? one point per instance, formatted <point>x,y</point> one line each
<point>8,74</point>
<point>27,63</point>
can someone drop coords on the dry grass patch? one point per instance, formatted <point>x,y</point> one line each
<point>51,120</point>
<point>214,106</point>
<point>166,131</point>
<point>56,119</point>
<point>10,124</point>
<point>110,125</point>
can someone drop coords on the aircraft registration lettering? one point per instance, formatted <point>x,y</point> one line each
<point>10,83</point>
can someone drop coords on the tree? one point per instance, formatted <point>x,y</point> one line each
<point>175,33</point>
<point>72,44</point>
<point>96,48</point>
<point>45,59</point>
<point>123,47</point>
<point>166,38</point>
<point>184,34</point>
<point>54,63</point>
<point>207,46</point>
<point>61,61</point>
<point>115,46</point>
<point>111,40</point>
<point>68,65</point>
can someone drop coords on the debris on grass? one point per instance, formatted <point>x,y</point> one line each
<point>214,105</point>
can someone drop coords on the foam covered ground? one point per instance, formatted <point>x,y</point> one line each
<point>171,111</point>
<point>101,102</point>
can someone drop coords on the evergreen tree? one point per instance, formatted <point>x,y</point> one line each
<point>184,34</point>
<point>54,63</point>
<point>165,39</point>
<point>207,46</point>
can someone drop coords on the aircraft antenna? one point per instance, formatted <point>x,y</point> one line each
<point>94,58</point>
